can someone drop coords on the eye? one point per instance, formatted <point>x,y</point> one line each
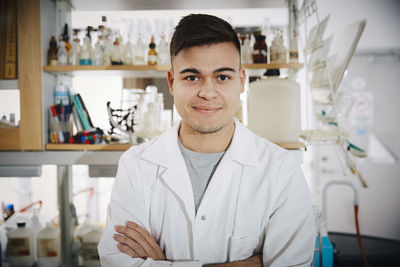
<point>223,77</point>
<point>192,78</point>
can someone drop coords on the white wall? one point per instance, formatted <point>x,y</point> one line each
<point>383,20</point>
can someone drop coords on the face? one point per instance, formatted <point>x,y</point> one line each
<point>206,82</point>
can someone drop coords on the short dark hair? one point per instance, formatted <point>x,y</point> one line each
<point>202,29</point>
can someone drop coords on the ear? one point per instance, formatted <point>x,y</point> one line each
<point>170,77</point>
<point>242,75</point>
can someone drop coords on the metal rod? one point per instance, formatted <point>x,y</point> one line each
<point>64,185</point>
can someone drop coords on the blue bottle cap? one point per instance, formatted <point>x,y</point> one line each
<point>10,206</point>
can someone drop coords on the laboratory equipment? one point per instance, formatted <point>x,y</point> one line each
<point>90,240</point>
<point>268,97</point>
<point>48,246</point>
<point>21,248</point>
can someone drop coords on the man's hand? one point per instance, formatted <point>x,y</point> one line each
<point>136,242</point>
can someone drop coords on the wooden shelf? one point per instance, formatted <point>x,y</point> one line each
<point>123,147</point>
<point>69,68</point>
<point>77,147</point>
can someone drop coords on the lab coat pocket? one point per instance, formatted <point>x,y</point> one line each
<point>242,247</point>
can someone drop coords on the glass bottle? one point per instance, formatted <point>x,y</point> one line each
<point>52,52</point>
<point>152,55</point>
<point>260,50</point>
<point>274,53</point>
<point>293,50</point>
<point>282,51</point>
<point>140,52</point>
<point>116,54</point>
<point>163,52</point>
<point>86,50</point>
<point>97,55</point>
<point>62,54</point>
<point>247,51</point>
<point>73,57</point>
<point>128,55</point>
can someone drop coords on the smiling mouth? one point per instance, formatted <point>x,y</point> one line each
<point>206,110</point>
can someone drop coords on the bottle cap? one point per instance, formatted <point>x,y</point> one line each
<point>21,224</point>
<point>10,206</point>
<point>272,72</point>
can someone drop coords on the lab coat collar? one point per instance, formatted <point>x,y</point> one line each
<point>164,150</point>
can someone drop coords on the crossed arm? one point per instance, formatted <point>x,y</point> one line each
<point>136,242</point>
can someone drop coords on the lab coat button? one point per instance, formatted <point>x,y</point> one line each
<point>203,217</point>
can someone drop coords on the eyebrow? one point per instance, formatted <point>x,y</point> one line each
<point>190,70</point>
<point>224,69</point>
<point>195,71</point>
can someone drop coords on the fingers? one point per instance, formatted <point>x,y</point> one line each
<point>155,250</point>
<point>136,236</point>
<point>127,250</point>
<point>129,246</point>
<point>143,232</point>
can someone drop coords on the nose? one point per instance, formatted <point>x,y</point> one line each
<point>207,90</point>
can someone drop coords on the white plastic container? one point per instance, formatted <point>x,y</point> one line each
<point>78,234</point>
<point>48,247</point>
<point>20,243</point>
<point>90,240</point>
<point>274,109</point>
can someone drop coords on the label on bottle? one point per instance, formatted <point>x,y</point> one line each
<point>89,252</point>
<point>19,246</point>
<point>139,60</point>
<point>47,248</point>
<point>152,59</point>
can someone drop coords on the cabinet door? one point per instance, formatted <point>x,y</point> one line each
<point>28,136</point>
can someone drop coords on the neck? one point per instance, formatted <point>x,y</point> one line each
<point>206,143</point>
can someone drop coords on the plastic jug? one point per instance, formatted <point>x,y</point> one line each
<point>48,246</point>
<point>90,240</point>
<point>20,242</point>
<point>274,108</point>
<point>78,234</point>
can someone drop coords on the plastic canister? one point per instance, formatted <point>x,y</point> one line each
<point>48,246</point>
<point>79,232</point>
<point>20,243</point>
<point>274,108</point>
<point>90,240</point>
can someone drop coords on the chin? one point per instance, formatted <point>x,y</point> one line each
<point>206,128</point>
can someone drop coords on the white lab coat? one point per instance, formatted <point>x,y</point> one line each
<point>256,202</point>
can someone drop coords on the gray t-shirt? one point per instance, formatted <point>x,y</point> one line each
<point>201,168</point>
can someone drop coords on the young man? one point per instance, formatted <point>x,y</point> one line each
<point>208,191</point>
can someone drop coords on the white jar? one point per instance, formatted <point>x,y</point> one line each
<point>274,109</point>
<point>20,243</point>
<point>48,246</point>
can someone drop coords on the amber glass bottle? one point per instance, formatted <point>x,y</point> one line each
<point>52,52</point>
<point>260,50</point>
<point>152,55</point>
